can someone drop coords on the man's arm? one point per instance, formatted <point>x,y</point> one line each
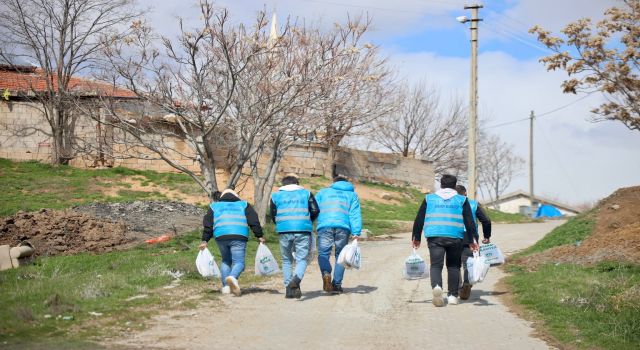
<point>273,210</point>
<point>355,215</point>
<point>253,221</point>
<point>485,221</point>
<point>470,226</point>
<point>418,223</point>
<point>314,209</point>
<point>207,225</point>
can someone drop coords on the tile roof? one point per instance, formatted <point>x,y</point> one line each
<point>33,80</point>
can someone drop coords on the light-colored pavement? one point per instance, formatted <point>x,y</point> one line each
<point>379,310</point>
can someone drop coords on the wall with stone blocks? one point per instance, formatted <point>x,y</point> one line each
<point>307,160</point>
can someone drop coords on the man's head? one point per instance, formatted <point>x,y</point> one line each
<point>229,191</point>
<point>448,181</point>
<point>461,190</point>
<point>290,179</point>
<point>340,178</point>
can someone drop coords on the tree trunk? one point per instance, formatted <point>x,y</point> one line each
<point>208,169</point>
<point>263,185</point>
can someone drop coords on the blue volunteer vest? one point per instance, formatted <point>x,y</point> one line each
<point>292,211</point>
<point>229,219</point>
<point>474,208</point>
<point>444,217</point>
<point>334,209</point>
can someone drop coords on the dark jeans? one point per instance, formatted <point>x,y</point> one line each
<point>466,254</point>
<point>449,249</point>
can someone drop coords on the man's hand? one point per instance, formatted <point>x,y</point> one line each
<point>474,246</point>
<point>261,240</point>
<point>415,244</point>
<point>202,245</point>
<point>355,238</point>
<point>486,241</point>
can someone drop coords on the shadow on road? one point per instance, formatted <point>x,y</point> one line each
<point>255,290</point>
<point>361,289</point>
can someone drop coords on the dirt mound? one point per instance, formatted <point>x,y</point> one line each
<point>54,232</point>
<point>149,218</point>
<point>615,237</point>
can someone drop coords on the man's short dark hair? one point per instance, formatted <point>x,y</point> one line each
<point>290,180</point>
<point>461,190</point>
<point>340,178</point>
<point>448,181</point>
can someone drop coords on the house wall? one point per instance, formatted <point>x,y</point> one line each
<point>513,206</point>
<point>306,160</point>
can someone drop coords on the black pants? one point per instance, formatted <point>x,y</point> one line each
<point>449,249</point>
<point>466,254</point>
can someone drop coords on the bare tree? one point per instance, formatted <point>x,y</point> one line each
<point>360,91</point>
<point>602,57</point>
<point>188,85</point>
<point>64,39</point>
<point>498,165</point>
<point>422,127</point>
<point>301,83</point>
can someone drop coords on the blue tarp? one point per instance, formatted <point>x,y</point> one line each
<point>548,211</point>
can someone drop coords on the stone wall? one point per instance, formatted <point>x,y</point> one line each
<point>306,160</point>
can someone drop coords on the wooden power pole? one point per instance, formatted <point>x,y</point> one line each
<point>473,107</point>
<point>531,159</point>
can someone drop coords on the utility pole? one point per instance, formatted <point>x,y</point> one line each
<point>473,108</point>
<point>531,159</point>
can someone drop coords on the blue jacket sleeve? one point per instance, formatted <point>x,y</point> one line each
<point>355,215</point>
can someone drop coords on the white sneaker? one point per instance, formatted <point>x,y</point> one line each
<point>225,290</point>
<point>437,299</point>
<point>452,300</point>
<point>232,282</point>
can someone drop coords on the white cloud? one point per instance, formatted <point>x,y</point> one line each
<point>575,160</point>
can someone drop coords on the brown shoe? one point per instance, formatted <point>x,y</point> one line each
<point>327,286</point>
<point>465,291</point>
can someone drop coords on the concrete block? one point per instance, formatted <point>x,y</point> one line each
<point>5,258</point>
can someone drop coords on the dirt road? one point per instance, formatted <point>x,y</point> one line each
<point>379,310</point>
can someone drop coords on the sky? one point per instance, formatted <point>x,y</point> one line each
<point>575,159</point>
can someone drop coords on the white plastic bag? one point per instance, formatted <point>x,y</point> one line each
<point>477,268</point>
<point>206,264</point>
<point>492,254</point>
<point>350,255</point>
<point>313,249</point>
<point>266,264</point>
<point>415,267</point>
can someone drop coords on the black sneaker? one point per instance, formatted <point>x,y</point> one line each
<point>337,289</point>
<point>465,291</point>
<point>288,294</point>
<point>294,284</point>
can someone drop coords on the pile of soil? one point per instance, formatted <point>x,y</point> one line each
<point>54,232</point>
<point>615,237</point>
<point>98,227</point>
<point>149,218</point>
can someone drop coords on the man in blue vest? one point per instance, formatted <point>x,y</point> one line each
<point>340,216</point>
<point>293,210</point>
<point>229,220</point>
<point>478,215</point>
<point>446,220</point>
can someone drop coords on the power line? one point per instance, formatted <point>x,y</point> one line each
<point>542,114</point>
<point>366,7</point>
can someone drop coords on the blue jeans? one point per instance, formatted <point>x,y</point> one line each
<point>233,252</point>
<point>300,242</point>
<point>327,237</point>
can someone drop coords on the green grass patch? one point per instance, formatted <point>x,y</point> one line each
<point>574,230</point>
<point>587,307</point>
<point>30,186</point>
<point>83,283</point>
<point>497,216</point>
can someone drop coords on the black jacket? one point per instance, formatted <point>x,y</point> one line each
<point>249,212</point>
<point>485,221</point>
<point>470,226</point>
<point>314,210</point>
